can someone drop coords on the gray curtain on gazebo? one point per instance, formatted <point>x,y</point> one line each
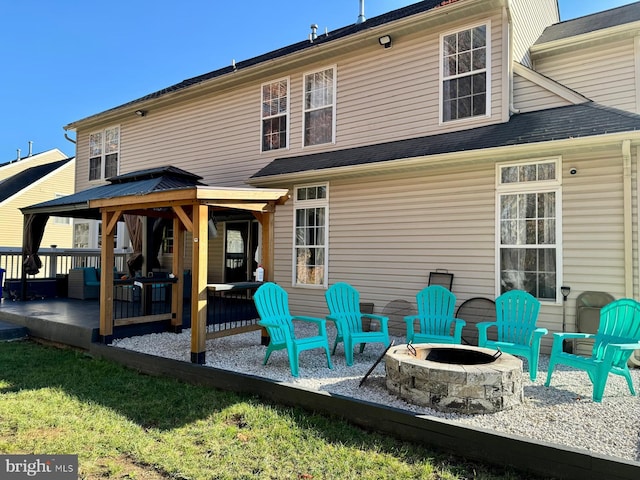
<point>134,226</point>
<point>34,224</point>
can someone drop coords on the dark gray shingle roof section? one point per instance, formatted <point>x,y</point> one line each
<point>591,23</point>
<point>573,121</point>
<point>134,183</point>
<point>16,183</point>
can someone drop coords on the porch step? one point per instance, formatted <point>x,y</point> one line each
<point>9,331</point>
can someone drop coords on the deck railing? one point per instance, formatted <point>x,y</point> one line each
<point>57,261</point>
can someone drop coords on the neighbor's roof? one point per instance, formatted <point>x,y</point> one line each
<point>135,183</point>
<point>21,180</point>
<point>591,23</point>
<point>296,47</point>
<point>573,121</point>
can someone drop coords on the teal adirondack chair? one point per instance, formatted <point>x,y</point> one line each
<point>343,302</point>
<point>517,334</point>
<point>617,337</point>
<point>436,306</point>
<point>272,303</point>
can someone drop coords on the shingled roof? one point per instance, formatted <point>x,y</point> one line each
<point>332,36</point>
<point>591,23</point>
<point>573,121</point>
<point>18,182</point>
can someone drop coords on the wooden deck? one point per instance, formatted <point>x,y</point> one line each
<point>68,321</point>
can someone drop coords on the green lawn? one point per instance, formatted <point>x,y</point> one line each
<point>124,425</point>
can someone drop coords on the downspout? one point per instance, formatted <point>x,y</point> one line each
<point>628,218</point>
<point>509,28</point>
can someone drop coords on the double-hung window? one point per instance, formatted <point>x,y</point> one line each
<point>310,235</point>
<point>529,230</point>
<point>275,115</point>
<point>104,153</point>
<point>319,107</point>
<point>465,73</point>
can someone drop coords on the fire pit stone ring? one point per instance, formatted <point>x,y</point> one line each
<point>454,378</point>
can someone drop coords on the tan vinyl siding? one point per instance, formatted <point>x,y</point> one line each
<point>386,233</point>
<point>529,21</point>
<point>604,73</point>
<point>382,95</point>
<point>527,96</point>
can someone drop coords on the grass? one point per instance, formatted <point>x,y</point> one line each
<point>124,425</point>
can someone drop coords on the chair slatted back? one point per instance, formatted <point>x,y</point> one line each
<point>272,303</point>
<point>619,323</point>
<point>344,300</point>
<point>516,316</point>
<point>436,306</point>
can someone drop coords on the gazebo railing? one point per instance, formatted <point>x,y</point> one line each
<point>56,261</point>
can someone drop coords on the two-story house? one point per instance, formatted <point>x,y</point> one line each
<point>483,137</point>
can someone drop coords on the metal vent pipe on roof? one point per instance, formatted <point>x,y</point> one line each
<point>361,17</point>
<point>314,32</point>
<point>18,150</point>
<point>30,148</point>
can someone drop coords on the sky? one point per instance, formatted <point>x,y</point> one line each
<point>64,60</point>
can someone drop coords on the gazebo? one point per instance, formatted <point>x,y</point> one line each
<point>164,192</point>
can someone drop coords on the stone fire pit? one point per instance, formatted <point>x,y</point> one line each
<point>479,380</point>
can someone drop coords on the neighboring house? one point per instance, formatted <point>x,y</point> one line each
<point>35,178</point>
<point>478,136</point>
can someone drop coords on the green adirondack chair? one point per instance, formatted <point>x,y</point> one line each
<point>272,303</point>
<point>617,337</point>
<point>343,301</point>
<point>517,334</point>
<point>436,306</point>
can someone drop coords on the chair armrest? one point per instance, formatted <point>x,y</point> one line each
<point>459,321</point>
<point>409,319</point>
<point>625,346</point>
<point>482,331</point>
<point>321,322</point>
<point>381,318</point>
<point>571,335</point>
<point>539,332</point>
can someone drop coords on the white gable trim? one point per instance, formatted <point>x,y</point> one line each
<point>549,84</point>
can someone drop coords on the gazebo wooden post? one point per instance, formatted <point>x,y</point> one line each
<point>199,283</point>
<point>109,223</point>
<point>178,270</point>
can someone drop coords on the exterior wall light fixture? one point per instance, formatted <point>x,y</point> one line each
<point>385,41</point>
<point>141,113</point>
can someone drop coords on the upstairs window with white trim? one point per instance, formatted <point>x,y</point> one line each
<point>529,230</point>
<point>319,107</point>
<point>465,73</point>
<point>310,235</point>
<point>61,220</point>
<point>275,115</point>
<point>104,153</point>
